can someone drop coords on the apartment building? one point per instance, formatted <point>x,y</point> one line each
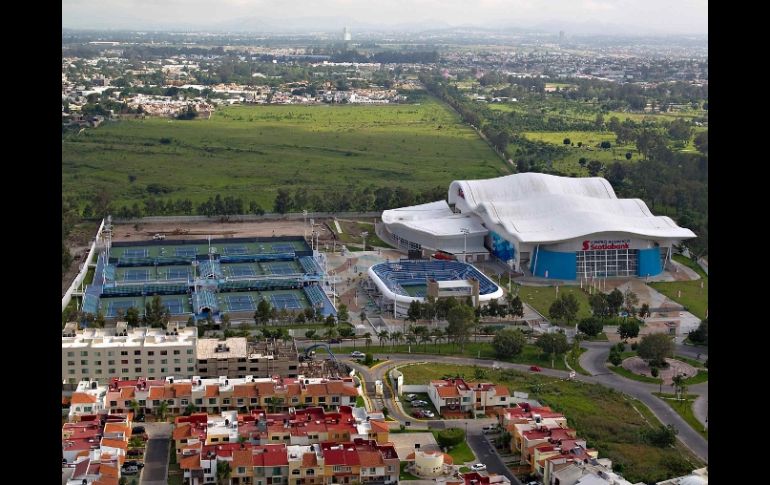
<point>99,354</point>
<point>95,446</point>
<point>458,395</point>
<point>235,357</point>
<point>221,394</point>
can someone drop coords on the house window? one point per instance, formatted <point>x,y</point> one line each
<point>254,400</point>
<point>71,362</point>
<point>164,361</point>
<point>124,362</point>
<point>142,403</point>
<point>84,353</point>
<point>71,371</point>
<point>155,402</point>
<point>215,440</point>
<point>98,362</point>
<point>111,371</point>
<point>83,362</point>
<point>124,371</point>
<point>478,399</point>
<point>151,361</point>
<point>294,400</point>
<point>70,354</point>
<point>124,352</point>
<point>503,398</point>
<point>189,351</point>
<point>176,361</point>
<point>138,370</point>
<point>308,400</point>
<point>321,399</point>
<point>137,361</point>
<point>176,352</point>
<point>372,470</point>
<point>212,400</point>
<point>190,369</point>
<point>184,402</point>
<point>276,470</point>
<point>335,399</point>
<point>113,404</point>
<point>170,402</point>
<point>199,401</point>
<point>137,352</point>
<point>163,370</point>
<point>110,362</point>
<point>98,371</point>
<point>190,361</point>
<point>177,369</point>
<point>241,470</point>
<point>152,370</point>
<point>226,401</point>
<point>240,401</point>
<point>295,471</point>
<point>164,352</point>
<point>110,353</point>
<point>310,472</point>
<point>151,352</point>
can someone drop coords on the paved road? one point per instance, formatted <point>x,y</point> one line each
<point>155,471</point>
<point>486,454</point>
<point>592,361</point>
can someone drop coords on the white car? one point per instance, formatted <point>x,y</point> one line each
<point>428,414</point>
<point>478,467</point>
<point>357,355</point>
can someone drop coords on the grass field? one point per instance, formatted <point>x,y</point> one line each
<point>252,151</point>
<point>608,420</point>
<point>620,370</point>
<point>531,354</point>
<point>541,298</point>
<point>461,453</point>
<point>694,298</point>
<point>684,409</point>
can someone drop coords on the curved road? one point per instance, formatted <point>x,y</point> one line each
<point>592,361</point>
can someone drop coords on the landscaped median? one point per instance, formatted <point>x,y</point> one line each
<point>684,409</point>
<point>605,418</point>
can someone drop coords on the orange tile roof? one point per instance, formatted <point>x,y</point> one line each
<point>82,398</point>
<point>265,388</point>
<point>447,391</point>
<point>501,391</point>
<point>114,443</point>
<point>181,431</point>
<point>309,460</point>
<point>350,391</point>
<point>116,428</point>
<point>370,458</point>
<point>159,392</point>
<point>245,390</point>
<point>241,458</point>
<point>190,462</point>
<point>212,390</point>
<point>127,392</point>
<point>108,470</point>
<point>379,426</point>
<point>183,389</point>
<point>103,480</point>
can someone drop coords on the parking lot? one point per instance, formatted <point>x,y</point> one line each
<point>410,409</point>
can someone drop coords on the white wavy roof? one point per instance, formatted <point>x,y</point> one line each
<point>435,218</point>
<point>540,208</point>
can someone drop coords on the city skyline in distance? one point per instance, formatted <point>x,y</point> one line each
<point>609,17</point>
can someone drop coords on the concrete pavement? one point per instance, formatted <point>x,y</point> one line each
<point>155,471</point>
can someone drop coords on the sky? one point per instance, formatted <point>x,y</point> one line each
<point>574,16</point>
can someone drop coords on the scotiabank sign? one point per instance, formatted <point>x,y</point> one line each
<point>606,244</point>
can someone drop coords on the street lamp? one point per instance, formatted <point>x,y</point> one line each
<point>304,222</point>
<point>363,235</point>
<point>465,232</point>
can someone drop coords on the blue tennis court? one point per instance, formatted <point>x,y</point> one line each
<point>241,271</point>
<point>178,273</point>
<point>175,306</point>
<point>280,267</point>
<point>231,250</point>
<point>188,252</point>
<point>133,274</point>
<point>283,248</point>
<point>287,301</point>
<point>238,303</point>
<point>115,307</point>
<point>135,253</point>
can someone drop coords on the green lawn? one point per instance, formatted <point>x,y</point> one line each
<point>530,355</point>
<point>541,297</point>
<point>630,375</point>
<point>692,362</point>
<point>405,475</point>
<point>694,298</point>
<point>684,409</point>
<point>701,376</point>
<point>360,402</point>
<point>605,418</point>
<point>252,151</point>
<point>574,362</point>
<point>461,453</point>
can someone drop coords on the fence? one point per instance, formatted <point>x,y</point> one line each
<point>243,217</point>
<point>81,276</point>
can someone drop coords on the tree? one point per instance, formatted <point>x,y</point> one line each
<point>189,409</point>
<point>509,342</point>
<point>162,410</point>
<point>342,313</point>
<point>264,312</point>
<point>654,372</point>
<point>628,329</point>
<point>311,334</point>
<point>155,314</point>
<point>616,174</point>
<point>447,438</point>
<point>591,326</point>
<point>135,407</point>
<point>655,349</point>
<point>605,145</point>
<point>644,311</point>
<point>615,357</point>
<point>414,312</point>
<point>564,308</point>
<point>132,316</point>
<point>628,155</point>
<point>188,113</point>
<point>630,301</point>
<point>702,142</point>
<point>367,339</point>
<point>583,160</point>
<point>614,301</point>
<point>223,472</point>
<point>567,141</point>
<point>383,336</point>
<point>362,315</point>
<point>599,306</point>
<point>594,167</point>
<point>282,201</point>
<point>516,307</point>
<point>701,334</point>
<point>552,343</point>
<point>330,320</point>
<point>225,318</point>
<point>460,320</point>
<point>662,437</point>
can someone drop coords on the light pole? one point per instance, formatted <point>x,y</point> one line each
<point>465,232</point>
<point>304,222</point>
<point>363,235</point>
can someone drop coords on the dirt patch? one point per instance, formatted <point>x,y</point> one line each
<point>675,367</point>
<point>201,230</point>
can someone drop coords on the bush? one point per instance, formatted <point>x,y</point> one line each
<point>509,342</point>
<point>368,359</point>
<point>662,437</point>
<point>654,371</point>
<point>634,346</point>
<point>591,326</point>
<point>567,141</point>
<point>450,437</point>
<point>615,358</point>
